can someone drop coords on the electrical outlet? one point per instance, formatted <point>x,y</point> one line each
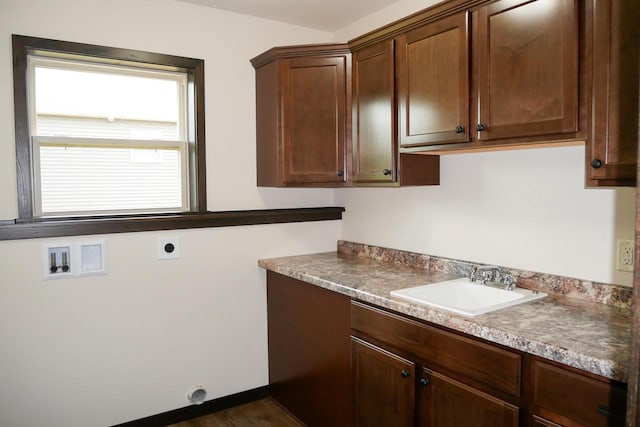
<point>625,255</point>
<point>168,247</point>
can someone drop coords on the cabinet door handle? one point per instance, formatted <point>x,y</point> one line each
<point>405,373</point>
<point>424,382</point>
<point>340,173</point>
<point>459,129</point>
<point>386,171</point>
<point>606,413</point>
<point>596,163</point>
<point>480,127</point>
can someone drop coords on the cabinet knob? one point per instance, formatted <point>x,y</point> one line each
<point>340,173</point>
<point>386,172</point>
<point>480,127</point>
<point>405,373</point>
<point>424,381</point>
<point>596,163</point>
<point>608,414</point>
<point>459,129</point>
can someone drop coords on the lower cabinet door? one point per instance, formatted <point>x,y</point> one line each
<point>383,387</point>
<point>541,422</point>
<point>444,402</point>
<point>593,402</point>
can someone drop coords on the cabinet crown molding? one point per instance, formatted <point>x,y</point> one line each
<point>299,50</point>
<point>432,13</point>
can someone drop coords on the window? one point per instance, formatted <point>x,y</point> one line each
<point>130,158</point>
<point>107,131</point>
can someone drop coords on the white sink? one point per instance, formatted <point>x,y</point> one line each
<point>465,297</point>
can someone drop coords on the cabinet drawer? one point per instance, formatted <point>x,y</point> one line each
<point>584,399</point>
<point>492,366</point>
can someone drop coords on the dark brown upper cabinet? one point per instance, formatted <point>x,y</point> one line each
<point>612,149</point>
<point>373,106</point>
<point>301,115</point>
<point>527,69</point>
<point>460,75</point>
<point>375,158</point>
<point>523,85</point>
<point>502,74</point>
<point>432,66</point>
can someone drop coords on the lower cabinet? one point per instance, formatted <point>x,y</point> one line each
<point>390,391</point>
<point>445,402</point>
<point>566,397</point>
<point>405,373</point>
<point>536,421</point>
<point>383,386</point>
<point>309,353</point>
<point>410,373</point>
<point>337,362</point>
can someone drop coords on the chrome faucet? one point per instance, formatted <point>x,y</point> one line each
<point>484,273</point>
<point>492,275</point>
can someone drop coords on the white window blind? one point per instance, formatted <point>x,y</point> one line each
<point>88,179</point>
<point>107,139</point>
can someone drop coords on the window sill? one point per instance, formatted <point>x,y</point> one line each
<point>77,226</point>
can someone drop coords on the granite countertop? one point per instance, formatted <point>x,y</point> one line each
<point>584,334</point>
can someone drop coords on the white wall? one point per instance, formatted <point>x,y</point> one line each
<point>101,350</point>
<point>526,209</point>
<point>382,17</point>
<point>108,349</point>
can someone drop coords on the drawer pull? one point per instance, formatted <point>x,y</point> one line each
<point>606,413</point>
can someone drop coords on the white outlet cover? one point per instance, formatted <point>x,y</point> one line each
<point>625,255</point>
<point>163,243</point>
<point>92,258</point>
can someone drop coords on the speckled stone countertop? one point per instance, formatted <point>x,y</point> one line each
<point>589,330</point>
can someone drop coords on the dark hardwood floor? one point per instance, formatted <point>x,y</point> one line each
<point>261,413</point>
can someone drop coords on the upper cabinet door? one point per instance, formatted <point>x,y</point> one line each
<point>432,65</point>
<point>313,119</point>
<point>612,151</point>
<point>527,68</point>
<point>374,139</point>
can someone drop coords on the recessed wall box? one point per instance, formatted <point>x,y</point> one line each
<point>58,262</point>
<point>66,260</point>
<point>93,259</point>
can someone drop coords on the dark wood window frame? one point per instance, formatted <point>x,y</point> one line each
<point>24,46</point>
<point>26,226</point>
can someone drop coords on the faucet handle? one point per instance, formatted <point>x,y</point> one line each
<point>497,275</point>
<point>509,282</point>
<point>478,274</point>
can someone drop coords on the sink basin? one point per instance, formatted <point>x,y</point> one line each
<point>465,297</point>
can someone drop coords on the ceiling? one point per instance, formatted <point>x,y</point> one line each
<point>327,15</point>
